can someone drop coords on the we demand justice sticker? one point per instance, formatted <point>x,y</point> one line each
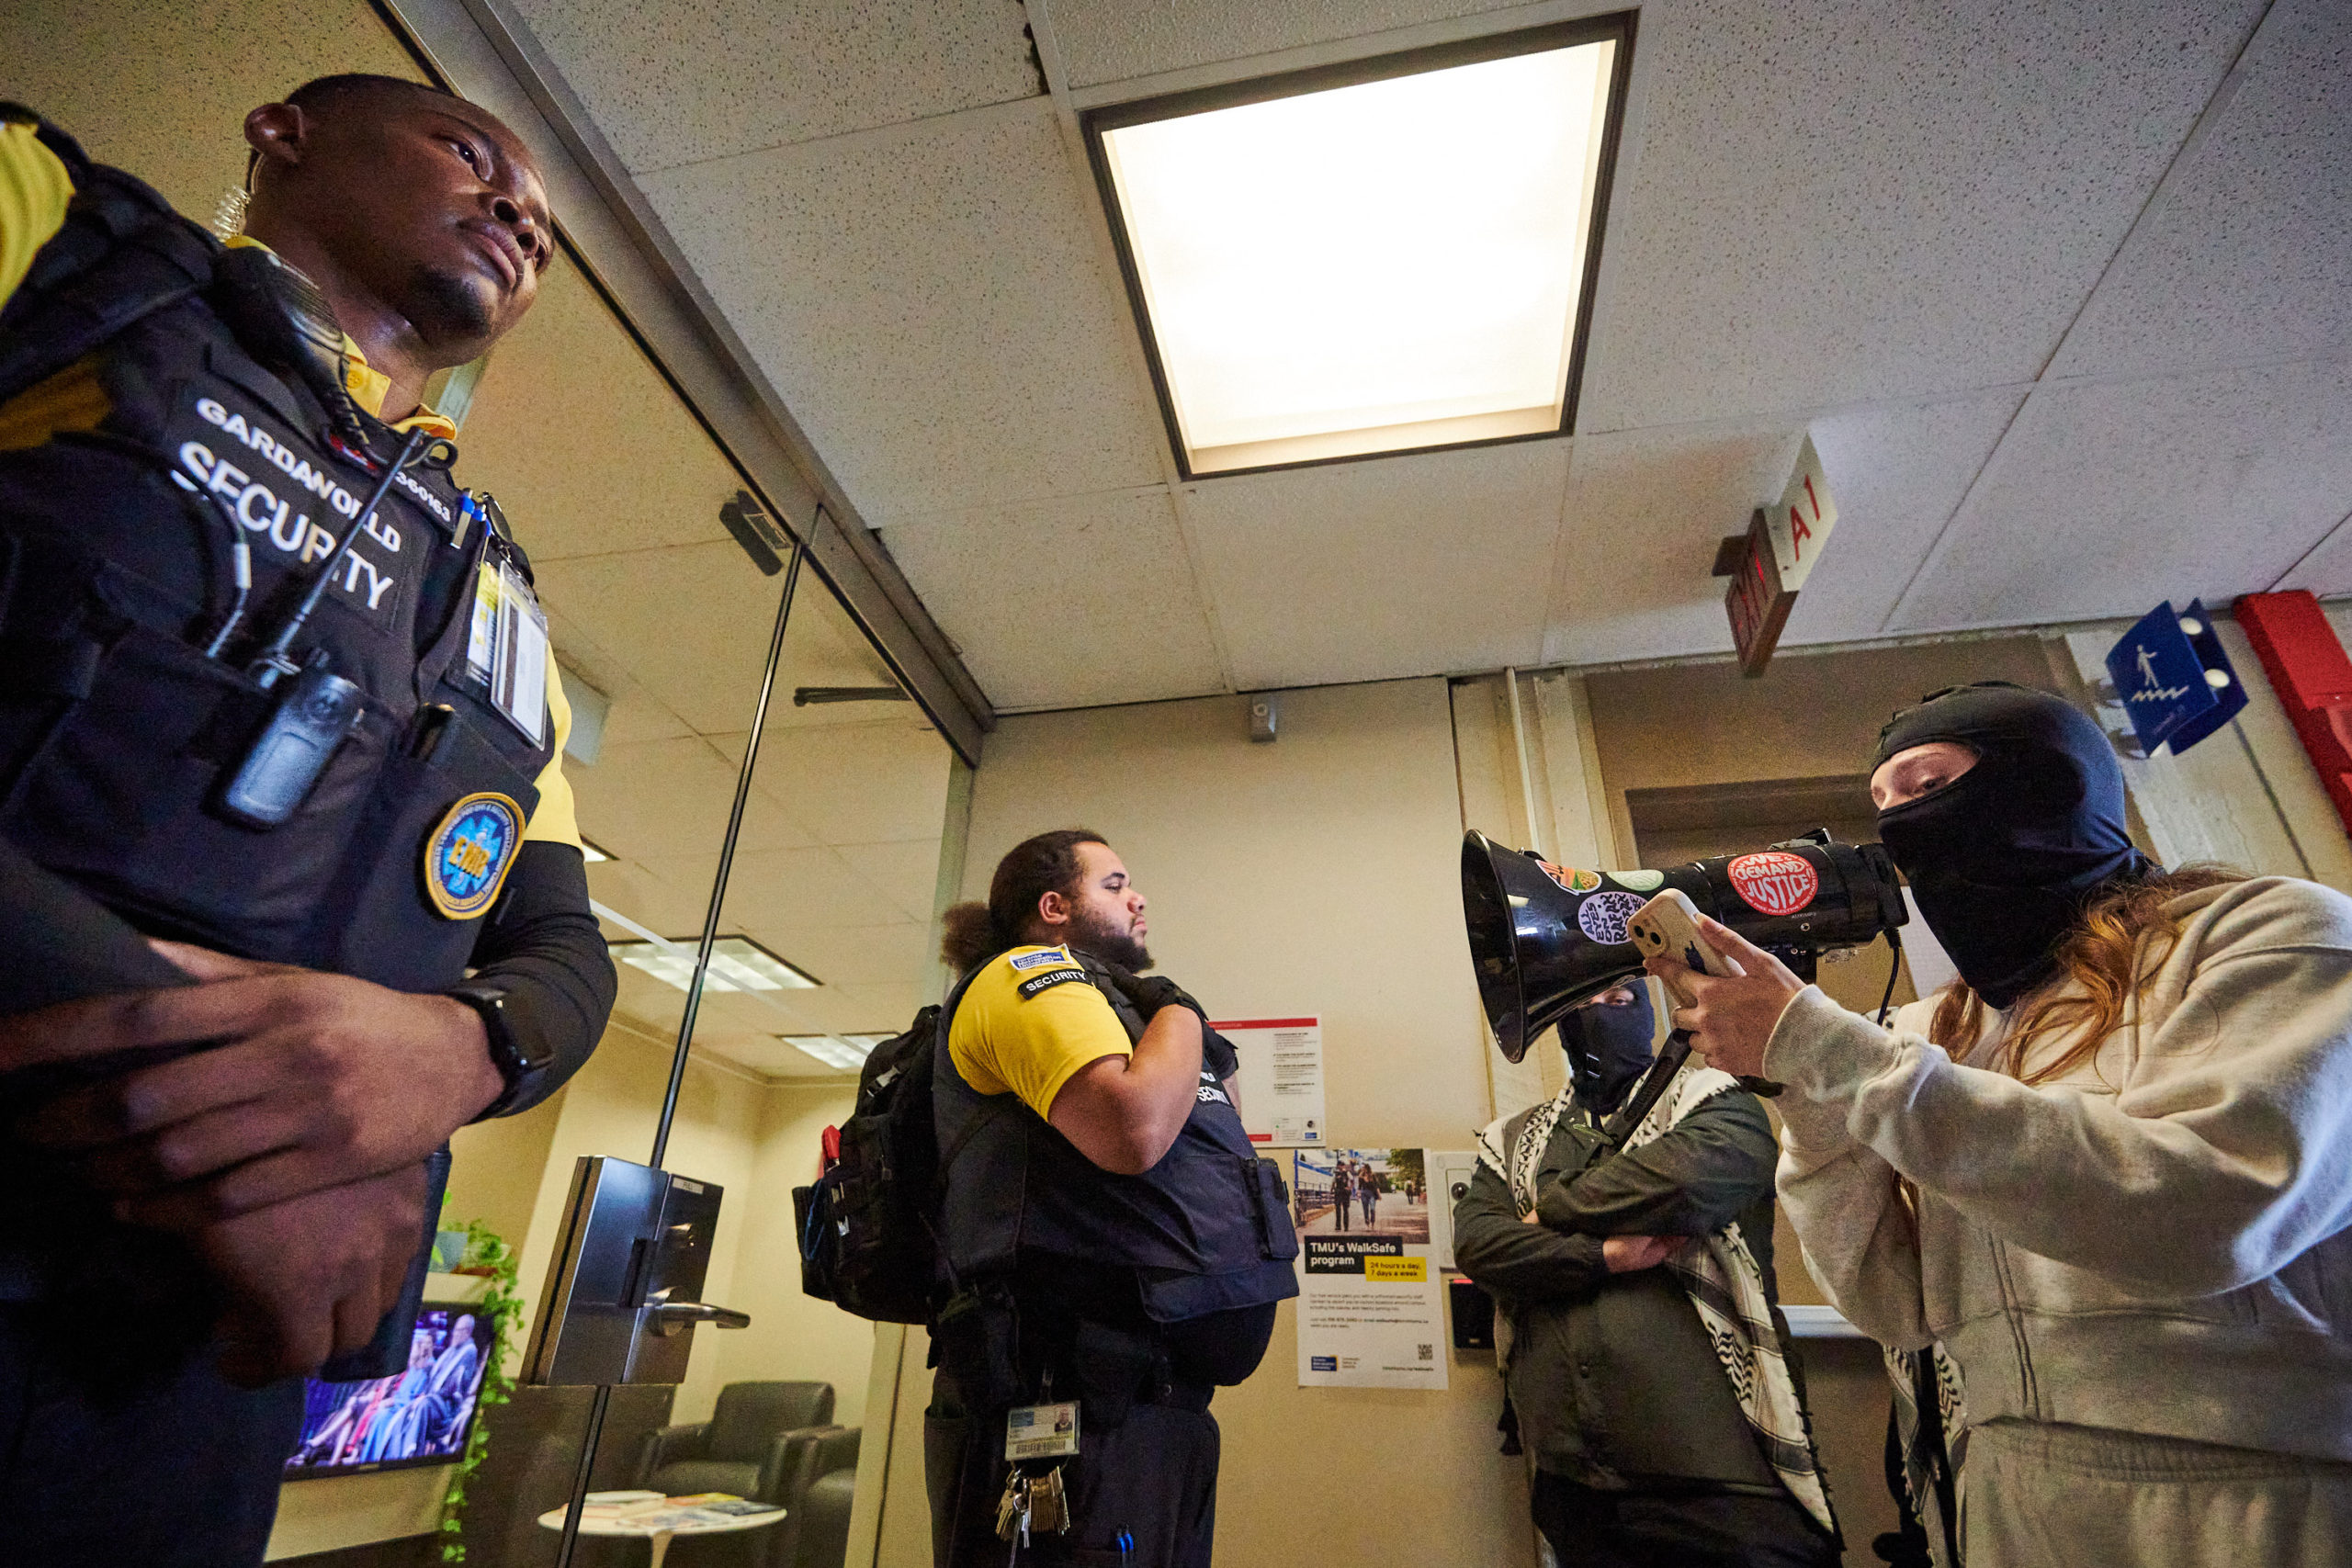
<point>1774,881</point>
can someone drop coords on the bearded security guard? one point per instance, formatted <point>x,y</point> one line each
<point>276,705</point>
<point>1095,1314</point>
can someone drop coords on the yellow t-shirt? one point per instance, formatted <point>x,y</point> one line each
<point>1028,1022</point>
<point>35,189</point>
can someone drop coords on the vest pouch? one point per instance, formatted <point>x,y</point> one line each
<point>977,1341</point>
<point>119,798</point>
<point>386,928</point>
<point>1269,1199</point>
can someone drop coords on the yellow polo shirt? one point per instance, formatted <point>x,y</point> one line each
<point>35,189</point>
<point>1028,1022</point>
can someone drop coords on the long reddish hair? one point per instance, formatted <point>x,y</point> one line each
<point>2102,956</point>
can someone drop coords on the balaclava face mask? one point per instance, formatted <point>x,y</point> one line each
<point>1609,1049</point>
<point>2004,858</point>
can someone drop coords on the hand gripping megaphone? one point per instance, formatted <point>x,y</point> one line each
<point>1545,938</point>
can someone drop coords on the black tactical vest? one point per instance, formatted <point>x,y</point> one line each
<point>1206,1229</point>
<point>117,731</point>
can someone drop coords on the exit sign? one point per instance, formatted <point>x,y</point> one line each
<point>1768,563</point>
<point>1758,601</point>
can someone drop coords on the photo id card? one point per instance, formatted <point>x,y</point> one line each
<point>518,676</point>
<point>1041,1431</point>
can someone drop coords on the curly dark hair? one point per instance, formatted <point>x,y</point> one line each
<point>1036,866</point>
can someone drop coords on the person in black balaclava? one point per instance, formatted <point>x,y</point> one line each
<point>2003,857</point>
<point>2118,1203</point>
<point>1626,1404</point>
<point>1608,1043</point>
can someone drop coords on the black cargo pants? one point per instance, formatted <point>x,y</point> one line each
<point>1152,1478</point>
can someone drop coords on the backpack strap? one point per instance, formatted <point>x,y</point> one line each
<point>122,254</point>
<point>995,1105</point>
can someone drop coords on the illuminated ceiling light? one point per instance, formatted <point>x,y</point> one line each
<point>846,1052</point>
<point>1389,255</point>
<point>592,851</point>
<point>737,964</point>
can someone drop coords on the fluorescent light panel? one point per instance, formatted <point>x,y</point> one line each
<point>846,1052</point>
<point>1378,266</point>
<point>737,964</point>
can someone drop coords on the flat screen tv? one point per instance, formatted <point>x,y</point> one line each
<point>419,1416</point>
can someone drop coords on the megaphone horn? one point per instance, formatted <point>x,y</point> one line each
<point>1545,938</point>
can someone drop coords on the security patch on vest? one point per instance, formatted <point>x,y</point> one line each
<point>468,856</point>
<point>1049,979</point>
<point>1024,962</point>
<point>291,500</point>
<point>1211,1091</point>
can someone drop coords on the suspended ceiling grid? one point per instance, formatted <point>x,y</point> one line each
<point>2064,292</point>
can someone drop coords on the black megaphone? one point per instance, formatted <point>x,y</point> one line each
<point>1545,938</point>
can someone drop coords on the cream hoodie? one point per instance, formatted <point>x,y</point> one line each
<point>2155,1242</point>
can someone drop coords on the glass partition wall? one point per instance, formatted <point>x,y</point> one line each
<point>662,626</point>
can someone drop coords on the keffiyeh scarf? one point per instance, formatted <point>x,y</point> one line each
<point>1724,1282</point>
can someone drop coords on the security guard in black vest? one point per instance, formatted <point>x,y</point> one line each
<point>281,821</point>
<point>1115,1246</point>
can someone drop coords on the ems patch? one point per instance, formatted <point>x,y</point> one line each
<point>467,857</point>
<point>1046,981</point>
<point>1024,962</point>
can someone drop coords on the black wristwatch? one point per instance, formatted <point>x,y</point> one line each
<point>518,1064</point>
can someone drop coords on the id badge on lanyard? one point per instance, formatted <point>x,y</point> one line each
<point>506,648</point>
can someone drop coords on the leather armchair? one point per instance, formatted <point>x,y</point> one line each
<point>820,1470</point>
<point>745,1448</point>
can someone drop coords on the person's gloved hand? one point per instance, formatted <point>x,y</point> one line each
<point>1149,993</point>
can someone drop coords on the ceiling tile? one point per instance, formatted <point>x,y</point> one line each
<point>696,621</point>
<point>2327,570</point>
<point>663,801</point>
<point>854,783</point>
<point>1111,40</point>
<point>1898,473</point>
<point>906,871</point>
<point>636,713</point>
<point>1829,203</point>
<point>2103,500</point>
<point>1401,566</point>
<point>933,304</point>
<point>854,955</point>
<point>778,889</point>
<point>2250,252</point>
<point>585,446</point>
<point>677,83</point>
<point>1067,603</point>
<point>1645,512</point>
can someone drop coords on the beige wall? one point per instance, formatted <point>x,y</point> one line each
<point>1319,874</point>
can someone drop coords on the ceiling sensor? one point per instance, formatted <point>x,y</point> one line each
<point>762,536</point>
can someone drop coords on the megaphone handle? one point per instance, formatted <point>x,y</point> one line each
<point>1762,1089</point>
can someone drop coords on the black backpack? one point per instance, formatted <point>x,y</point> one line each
<point>869,1226</point>
<point>868,1237</point>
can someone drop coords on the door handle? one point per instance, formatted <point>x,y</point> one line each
<point>668,1318</point>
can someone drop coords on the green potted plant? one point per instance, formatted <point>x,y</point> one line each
<point>485,1253</point>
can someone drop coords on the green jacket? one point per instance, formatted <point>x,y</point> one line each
<point>1614,1377</point>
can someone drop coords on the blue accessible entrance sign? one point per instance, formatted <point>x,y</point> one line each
<point>2174,678</point>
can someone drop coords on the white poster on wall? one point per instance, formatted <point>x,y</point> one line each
<point>1370,1313</point>
<point>1280,1080</point>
